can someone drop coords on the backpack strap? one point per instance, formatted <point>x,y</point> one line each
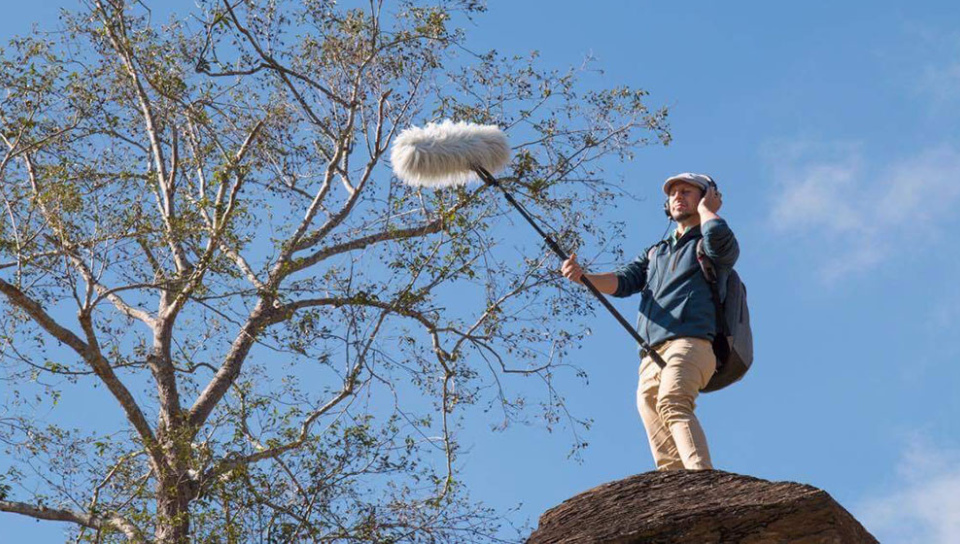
<point>710,274</point>
<point>652,250</point>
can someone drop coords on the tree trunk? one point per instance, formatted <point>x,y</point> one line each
<point>173,510</point>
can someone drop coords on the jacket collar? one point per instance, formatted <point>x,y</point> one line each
<point>691,233</point>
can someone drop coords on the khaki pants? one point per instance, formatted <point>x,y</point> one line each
<point>666,399</point>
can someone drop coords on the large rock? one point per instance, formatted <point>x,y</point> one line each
<point>699,507</point>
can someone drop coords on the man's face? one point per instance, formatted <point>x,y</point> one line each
<point>684,198</point>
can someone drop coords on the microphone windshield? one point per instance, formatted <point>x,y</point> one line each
<point>445,154</point>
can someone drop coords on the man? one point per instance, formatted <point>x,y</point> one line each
<point>677,318</point>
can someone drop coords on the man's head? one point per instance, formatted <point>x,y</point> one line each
<point>684,192</point>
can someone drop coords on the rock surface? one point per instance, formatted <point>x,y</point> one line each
<point>699,507</point>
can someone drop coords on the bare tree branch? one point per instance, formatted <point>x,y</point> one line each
<point>165,192</point>
<point>94,358</point>
<point>112,521</point>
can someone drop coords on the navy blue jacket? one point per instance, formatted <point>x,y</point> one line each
<point>675,298</point>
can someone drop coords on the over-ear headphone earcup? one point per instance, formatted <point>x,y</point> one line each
<point>666,208</point>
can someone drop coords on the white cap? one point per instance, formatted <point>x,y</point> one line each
<point>700,180</point>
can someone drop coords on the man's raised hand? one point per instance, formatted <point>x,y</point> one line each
<point>571,269</point>
<point>711,202</point>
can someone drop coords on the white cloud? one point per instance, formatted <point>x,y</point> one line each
<point>857,213</point>
<point>820,196</point>
<point>923,188</point>
<point>925,506</point>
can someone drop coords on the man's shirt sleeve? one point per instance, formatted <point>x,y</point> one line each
<point>632,276</point>
<point>719,243</point>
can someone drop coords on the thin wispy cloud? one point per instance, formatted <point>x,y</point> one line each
<point>859,211</point>
<point>936,70</point>
<point>922,507</point>
<point>939,83</point>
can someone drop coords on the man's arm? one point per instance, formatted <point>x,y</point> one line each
<point>626,281</point>
<point>719,243</point>
<point>605,283</point>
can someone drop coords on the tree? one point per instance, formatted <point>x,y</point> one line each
<point>198,222</point>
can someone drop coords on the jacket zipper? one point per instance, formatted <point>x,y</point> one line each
<point>673,253</point>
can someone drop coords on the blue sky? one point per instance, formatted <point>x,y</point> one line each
<point>832,129</point>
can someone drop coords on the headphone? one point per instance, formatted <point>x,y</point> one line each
<point>666,201</point>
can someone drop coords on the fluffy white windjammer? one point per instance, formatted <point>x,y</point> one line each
<point>445,154</point>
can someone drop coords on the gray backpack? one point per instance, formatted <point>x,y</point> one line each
<point>733,343</point>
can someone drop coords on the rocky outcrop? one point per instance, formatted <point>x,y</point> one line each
<point>699,507</point>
